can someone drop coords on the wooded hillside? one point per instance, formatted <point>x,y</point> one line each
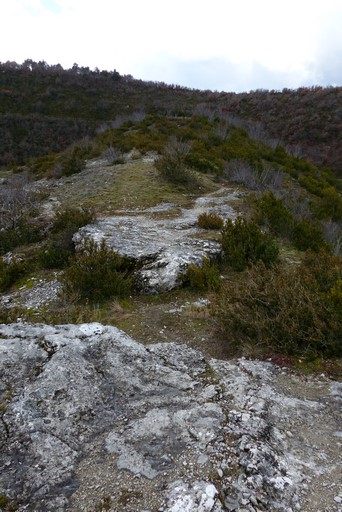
<point>45,108</point>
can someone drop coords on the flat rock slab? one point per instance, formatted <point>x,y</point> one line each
<point>92,420</point>
<point>164,246</point>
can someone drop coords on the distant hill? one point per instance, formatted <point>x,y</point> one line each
<point>46,108</point>
<point>308,120</point>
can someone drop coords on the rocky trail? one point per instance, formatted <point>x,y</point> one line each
<point>151,415</point>
<point>164,244</point>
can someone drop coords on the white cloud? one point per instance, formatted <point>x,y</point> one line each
<point>217,44</point>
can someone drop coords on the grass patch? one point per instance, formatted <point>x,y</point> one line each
<point>209,220</point>
<point>132,185</point>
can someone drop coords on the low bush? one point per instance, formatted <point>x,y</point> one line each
<point>23,233</point>
<point>243,244</point>
<point>10,273</point>
<point>53,255</point>
<point>330,205</point>
<point>273,214</point>
<point>174,170</point>
<point>73,160</point>
<point>59,246</point>
<point>201,164</point>
<point>171,164</point>
<point>325,269</point>
<point>208,220</point>
<point>203,277</point>
<point>74,218</point>
<point>113,155</point>
<point>312,184</point>
<point>308,235</point>
<point>288,310</point>
<point>97,274</point>
<point>305,234</point>
<point>7,505</point>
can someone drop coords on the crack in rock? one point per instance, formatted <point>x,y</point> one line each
<point>108,420</point>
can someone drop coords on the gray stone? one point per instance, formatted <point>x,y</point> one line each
<point>89,416</point>
<point>164,247</point>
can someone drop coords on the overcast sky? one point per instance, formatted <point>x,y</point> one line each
<point>223,45</point>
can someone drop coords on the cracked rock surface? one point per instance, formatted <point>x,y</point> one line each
<point>92,420</point>
<point>164,246</point>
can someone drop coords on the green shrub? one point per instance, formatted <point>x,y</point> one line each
<point>10,273</point>
<point>312,184</point>
<point>174,170</point>
<point>209,220</point>
<point>171,164</point>
<point>7,505</point>
<point>59,246</point>
<point>97,274</point>
<point>308,234</point>
<point>330,205</point>
<point>74,218</point>
<point>324,268</point>
<point>201,164</point>
<point>204,277</point>
<point>335,295</point>
<point>243,243</point>
<point>54,255</point>
<point>272,213</point>
<point>23,233</point>
<point>281,309</point>
<point>305,234</point>
<point>73,160</point>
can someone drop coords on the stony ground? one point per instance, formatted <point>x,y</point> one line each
<point>164,421</point>
<point>93,420</point>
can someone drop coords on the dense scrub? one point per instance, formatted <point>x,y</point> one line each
<point>302,231</point>
<point>296,311</point>
<point>243,244</point>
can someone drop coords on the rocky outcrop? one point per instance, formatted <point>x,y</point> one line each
<point>164,247</point>
<point>93,420</point>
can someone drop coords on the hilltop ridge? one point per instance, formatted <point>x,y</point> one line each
<point>45,108</point>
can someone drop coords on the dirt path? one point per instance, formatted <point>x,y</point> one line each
<point>179,316</point>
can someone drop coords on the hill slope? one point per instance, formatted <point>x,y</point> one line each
<point>45,108</point>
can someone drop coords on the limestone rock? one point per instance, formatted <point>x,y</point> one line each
<point>91,419</point>
<point>164,247</point>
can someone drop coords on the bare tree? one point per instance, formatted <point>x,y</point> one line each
<point>16,201</point>
<point>240,171</point>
